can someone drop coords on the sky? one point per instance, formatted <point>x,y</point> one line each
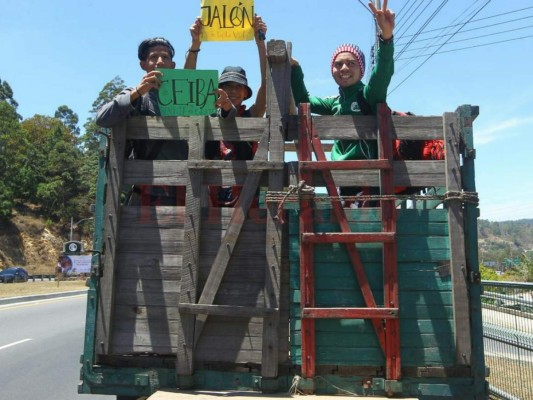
<point>477,52</point>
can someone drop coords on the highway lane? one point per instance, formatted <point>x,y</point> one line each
<point>40,347</point>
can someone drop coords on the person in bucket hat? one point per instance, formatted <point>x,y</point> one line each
<point>354,98</point>
<point>233,90</point>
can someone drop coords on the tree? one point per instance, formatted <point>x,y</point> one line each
<point>69,118</point>
<point>57,185</point>
<point>13,160</point>
<point>6,94</point>
<point>111,89</point>
<point>91,138</point>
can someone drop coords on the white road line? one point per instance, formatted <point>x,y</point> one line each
<point>14,344</point>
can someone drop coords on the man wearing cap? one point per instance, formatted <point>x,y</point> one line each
<point>143,100</point>
<point>355,98</point>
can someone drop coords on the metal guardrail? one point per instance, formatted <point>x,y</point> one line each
<point>508,338</point>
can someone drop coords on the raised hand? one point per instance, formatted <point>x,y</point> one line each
<point>384,18</point>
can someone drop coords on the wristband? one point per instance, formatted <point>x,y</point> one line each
<point>194,51</point>
<point>385,41</point>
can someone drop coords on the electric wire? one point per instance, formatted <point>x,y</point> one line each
<point>473,29</point>
<point>471,38</point>
<point>432,54</point>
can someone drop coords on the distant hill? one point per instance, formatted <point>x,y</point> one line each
<point>504,239</point>
<point>28,239</point>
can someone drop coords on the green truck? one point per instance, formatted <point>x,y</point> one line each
<point>300,294</point>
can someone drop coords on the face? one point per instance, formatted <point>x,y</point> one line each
<point>236,92</point>
<point>346,71</point>
<point>158,57</point>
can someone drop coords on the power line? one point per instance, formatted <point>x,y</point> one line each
<point>398,26</point>
<point>443,30</point>
<point>471,38</point>
<point>431,55</point>
<point>458,49</point>
<point>442,4</point>
<point>473,29</point>
<point>475,20</point>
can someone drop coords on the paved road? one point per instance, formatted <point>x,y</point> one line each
<point>40,347</point>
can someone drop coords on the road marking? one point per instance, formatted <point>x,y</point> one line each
<point>14,344</point>
<point>29,303</point>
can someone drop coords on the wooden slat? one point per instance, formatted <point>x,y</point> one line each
<point>349,312</point>
<point>457,241</point>
<point>191,249</point>
<point>406,173</point>
<point>279,100</point>
<point>307,254</point>
<point>324,237</point>
<point>182,128</point>
<point>230,239</point>
<point>390,261</point>
<point>228,311</point>
<point>346,165</point>
<point>104,332</point>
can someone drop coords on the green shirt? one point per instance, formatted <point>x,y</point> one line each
<point>374,92</point>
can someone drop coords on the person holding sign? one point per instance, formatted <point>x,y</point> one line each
<point>143,100</point>
<point>232,91</point>
<point>355,98</point>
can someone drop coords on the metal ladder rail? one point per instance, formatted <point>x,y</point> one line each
<point>380,316</point>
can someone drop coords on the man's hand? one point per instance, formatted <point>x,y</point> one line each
<point>260,29</point>
<point>196,30</point>
<point>223,100</point>
<point>152,80</point>
<point>384,18</point>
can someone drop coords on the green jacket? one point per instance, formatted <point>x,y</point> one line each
<point>374,92</point>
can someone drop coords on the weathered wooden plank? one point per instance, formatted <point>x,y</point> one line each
<point>132,217</point>
<point>149,286</point>
<point>191,254</point>
<point>153,261</point>
<point>406,173</point>
<point>365,127</point>
<point>463,348</point>
<point>232,234</point>
<point>227,311</point>
<point>181,128</point>
<point>278,107</point>
<point>155,172</point>
<point>115,168</point>
<point>148,313</point>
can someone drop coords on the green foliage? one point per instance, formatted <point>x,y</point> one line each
<point>6,94</point>
<point>69,118</point>
<point>44,159</point>
<point>488,274</point>
<point>13,163</point>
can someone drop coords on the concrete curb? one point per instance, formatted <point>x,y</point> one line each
<point>23,299</point>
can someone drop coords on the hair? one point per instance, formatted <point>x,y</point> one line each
<point>147,44</point>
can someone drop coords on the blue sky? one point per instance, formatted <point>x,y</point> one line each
<point>63,52</point>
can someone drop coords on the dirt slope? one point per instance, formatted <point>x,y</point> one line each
<point>27,240</point>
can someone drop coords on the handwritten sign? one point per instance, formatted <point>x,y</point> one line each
<point>186,92</point>
<point>227,20</point>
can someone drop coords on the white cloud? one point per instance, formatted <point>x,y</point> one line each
<point>501,130</point>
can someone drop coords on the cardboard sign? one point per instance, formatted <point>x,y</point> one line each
<point>227,20</point>
<point>186,92</point>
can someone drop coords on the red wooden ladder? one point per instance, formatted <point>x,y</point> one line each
<point>384,319</point>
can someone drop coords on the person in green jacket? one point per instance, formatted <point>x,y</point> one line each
<point>355,98</point>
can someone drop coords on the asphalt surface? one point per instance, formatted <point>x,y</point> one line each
<point>23,299</point>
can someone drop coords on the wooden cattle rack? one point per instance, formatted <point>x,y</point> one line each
<point>196,297</point>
